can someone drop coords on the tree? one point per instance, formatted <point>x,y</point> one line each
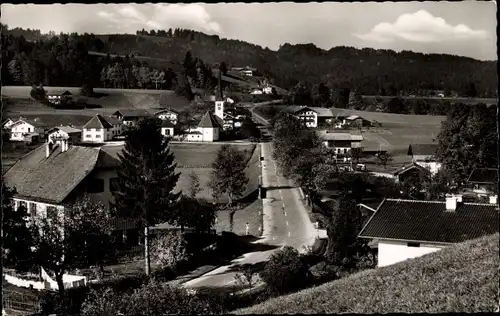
<point>249,130</point>
<point>66,240</point>
<point>285,271</point>
<point>301,94</point>
<point>16,236</point>
<point>193,184</point>
<point>15,71</point>
<point>195,213</point>
<point>320,94</point>
<point>147,179</point>
<point>247,275</point>
<point>384,158</point>
<point>228,175</point>
<point>38,93</point>
<point>169,249</point>
<point>356,154</point>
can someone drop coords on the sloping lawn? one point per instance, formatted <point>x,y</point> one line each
<point>462,278</point>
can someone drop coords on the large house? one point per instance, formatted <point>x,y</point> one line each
<point>425,155</point>
<point>101,129</point>
<point>208,130</point>
<point>23,129</point>
<point>405,229</point>
<point>483,182</point>
<point>168,114</point>
<point>410,171</point>
<point>57,134</point>
<point>59,97</point>
<point>310,116</point>
<point>341,143</point>
<point>130,117</point>
<point>167,128</point>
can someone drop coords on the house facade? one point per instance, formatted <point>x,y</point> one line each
<point>167,114</point>
<point>341,143</point>
<point>6,124</point>
<point>130,117</point>
<point>310,116</point>
<point>208,130</point>
<point>167,128</point>
<point>54,135</point>
<point>406,229</point>
<point>425,155</point>
<point>22,128</point>
<point>101,129</point>
<point>59,97</point>
<point>410,171</point>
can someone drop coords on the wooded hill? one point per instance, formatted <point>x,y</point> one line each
<point>368,71</point>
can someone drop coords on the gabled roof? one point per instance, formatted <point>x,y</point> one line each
<point>321,112</point>
<point>484,175</point>
<point>428,221</point>
<point>59,92</point>
<point>341,136</point>
<point>166,111</point>
<point>99,121</point>
<point>66,129</point>
<point>34,122</point>
<point>422,149</point>
<point>409,167</point>
<point>51,179</point>
<point>210,121</point>
<point>132,113</point>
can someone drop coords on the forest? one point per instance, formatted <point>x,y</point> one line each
<point>54,59</point>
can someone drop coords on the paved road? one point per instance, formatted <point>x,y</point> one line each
<point>285,223</point>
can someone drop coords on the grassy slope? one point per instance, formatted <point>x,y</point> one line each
<point>462,278</point>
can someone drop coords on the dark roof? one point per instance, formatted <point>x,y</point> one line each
<point>66,129</point>
<point>209,121</point>
<point>409,167</point>
<point>99,121</point>
<point>166,123</point>
<point>59,92</point>
<point>35,122</point>
<point>132,113</point>
<point>422,149</point>
<point>484,175</point>
<point>165,110</point>
<point>429,221</point>
<point>51,179</point>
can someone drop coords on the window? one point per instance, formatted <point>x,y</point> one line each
<point>51,212</point>
<point>88,136</point>
<point>413,244</point>
<point>113,184</point>
<point>97,135</point>
<point>33,210</point>
<point>95,186</point>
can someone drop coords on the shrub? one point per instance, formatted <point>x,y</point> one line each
<point>286,271</point>
<point>169,249</point>
<point>38,93</point>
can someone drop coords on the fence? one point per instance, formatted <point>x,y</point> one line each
<point>19,303</point>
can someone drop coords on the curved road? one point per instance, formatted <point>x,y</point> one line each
<point>285,223</point>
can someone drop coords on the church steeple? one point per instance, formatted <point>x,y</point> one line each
<point>219,98</point>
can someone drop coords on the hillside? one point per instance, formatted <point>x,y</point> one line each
<point>462,278</point>
<point>368,71</point>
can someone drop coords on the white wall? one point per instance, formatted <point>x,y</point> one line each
<point>93,135</point>
<point>390,252</point>
<point>219,109</point>
<point>57,133</point>
<point>106,196</point>
<point>432,166</point>
<point>168,116</point>
<point>309,114</point>
<point>194,138</point>
<point>17,131</point>
<point>41,208</point>
<point>167,131</point>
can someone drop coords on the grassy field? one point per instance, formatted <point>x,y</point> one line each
<point>434,99</point>
<point>462,278</point>
<point>251,214</point>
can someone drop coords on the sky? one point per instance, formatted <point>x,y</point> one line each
<point>466,28</point>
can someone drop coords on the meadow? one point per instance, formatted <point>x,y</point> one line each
<point>461,278</point>
<point>470,101</point>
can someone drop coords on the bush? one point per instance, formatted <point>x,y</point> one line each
<point>169,249</point>
<point>38,93</point>
<point>286,271</point>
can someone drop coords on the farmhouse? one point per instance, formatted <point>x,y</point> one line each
<point>56,134</point>
<point>310,116</point>
<point>411,171</point>
<point>425,155</point>
<point>244,71</point>
<point>167,128</point>
<point>100,129</point>
<point>59,97</point>
<point>7,123</point>
<point>167,114</point>
<point>208,129</point>
<point>405,229</point>
<point>356,121</point>
<point>483,182</point>
<point>130,117</point>
<point>24,129</point>
<point>341,143</point>
<point>51,176</point>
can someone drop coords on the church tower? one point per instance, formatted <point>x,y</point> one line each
<point>219,98</point>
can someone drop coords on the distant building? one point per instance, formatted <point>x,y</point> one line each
<point>168,114</point>
<point>483,182</point>
<point>405,229</point>
<point>425,155</point>
<point>355,121</point>
<point>101,129</point>
<point>243,71</point>
<point>24,129</point>
<point>412,170</point>
<point>267,89</point>
<point>167,128</point>
<point>58,97</point>
<point>208,129</point>
<point>57,134</point>
<point>130,117</point>
<point>341,143</point>
<point>7,123</point>
<point>310,116</point>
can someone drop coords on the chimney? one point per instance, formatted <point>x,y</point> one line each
<point>47,150</point>
<point>451,203</point>
<point>493,199</point>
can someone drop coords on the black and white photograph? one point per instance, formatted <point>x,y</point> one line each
<point>249,158</point>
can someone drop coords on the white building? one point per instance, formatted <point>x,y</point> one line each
<point>310,116</point>
<point>100,129</point>
<point>208,129</point>
<point>341,143</point>
<point>73,135</point>
<point>130,117</point>
<point>267,89</point>
<point>425,156</point>
<point>256,91</point>
<point>6,124</point>
<point>59,96</point>
<point>167,128</point>
<point>405,229</point>
<point>168,114</point>
<point>22,128</point>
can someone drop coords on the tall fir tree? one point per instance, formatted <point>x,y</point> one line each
<point>147,179</point>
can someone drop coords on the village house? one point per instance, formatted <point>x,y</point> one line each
<point>310,116</point>
<point>24,130</point>
<point>6,124</point>
<point>341,143</point>
<point>168,114</point>
<point>483,182</point>
<point>59,97</point>
<point>355,121</point>
<point>130,117</point>
<point>425,155</point>
<point>243,71</point>
<point>56,134</point>
<point>101,129</point>
<point>411,171</point>
<point>405,229</point>
<point>167,128</point>
<point>208,129</point>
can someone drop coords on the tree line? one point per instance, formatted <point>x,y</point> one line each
<point>367,71</point>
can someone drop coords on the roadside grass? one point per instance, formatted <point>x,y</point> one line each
<point>461,278</point>
<point>250,213</point>
<point>391,118</point>
<point>203,155</point>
